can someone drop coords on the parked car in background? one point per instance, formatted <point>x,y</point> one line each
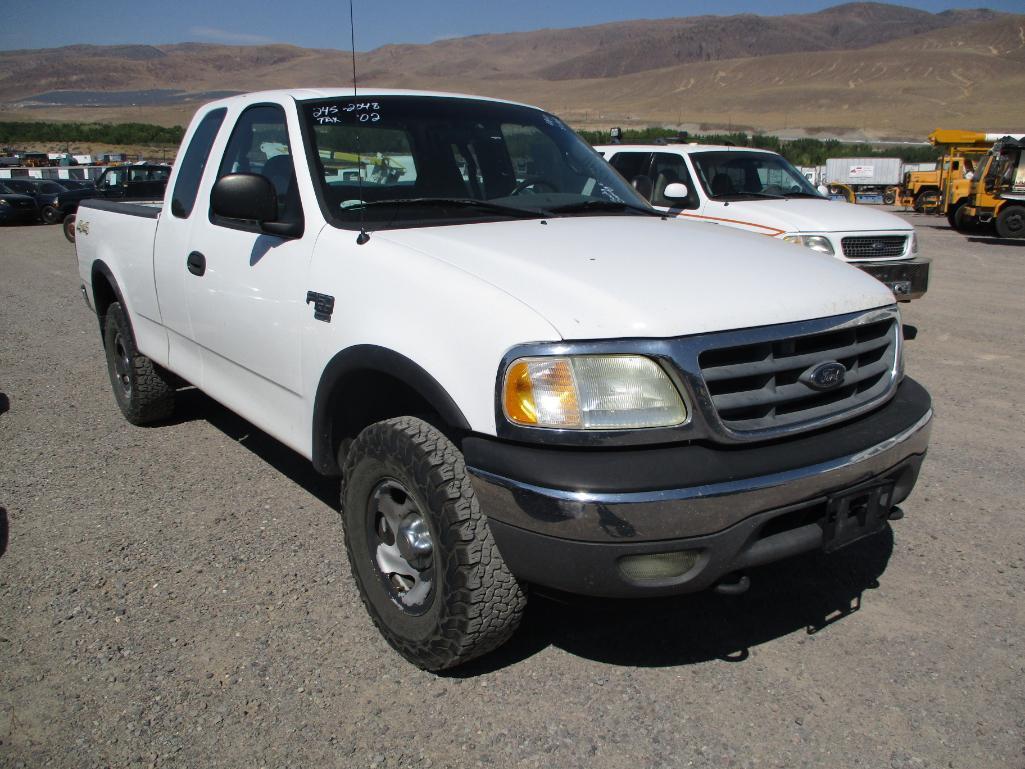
<point>44,194</point>
<point>760,191</point>
<point>130,183</point>
<point>78,184</point>
<point>15,208</point>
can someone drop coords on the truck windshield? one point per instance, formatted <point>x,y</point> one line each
<point>437,160</point>
<point>742,175</point>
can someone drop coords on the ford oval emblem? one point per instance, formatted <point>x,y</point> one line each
<point>825,376</point>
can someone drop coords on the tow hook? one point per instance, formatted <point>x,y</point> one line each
<point>733,584</point>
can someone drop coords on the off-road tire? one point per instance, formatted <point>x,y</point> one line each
<point>1010,222</point>
<point>68,225</point>
<point>476,602</point>
<point>143,390</point>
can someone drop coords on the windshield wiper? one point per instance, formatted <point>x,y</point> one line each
<point>740,195</point>
<point>803,195</point>
<point>602,205</point>
<point>481,205</point>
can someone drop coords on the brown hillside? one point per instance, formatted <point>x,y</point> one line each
<point>868,68</point>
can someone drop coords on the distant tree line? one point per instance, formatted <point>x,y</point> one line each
<point>800,152</point>
<point>99,133</point>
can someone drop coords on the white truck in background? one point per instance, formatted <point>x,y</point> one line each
<point>521,379</point>
<point>760,191</point>
<point>872,180</point>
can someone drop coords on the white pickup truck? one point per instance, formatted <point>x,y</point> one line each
<point>522,373</point>
<point>760,191</point>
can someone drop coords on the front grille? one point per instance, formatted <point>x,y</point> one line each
<point>759,386</point>
<point>874,246</point>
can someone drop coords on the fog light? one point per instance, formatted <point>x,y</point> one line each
<point>658,566</point>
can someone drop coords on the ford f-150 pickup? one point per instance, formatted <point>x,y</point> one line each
<point>522,373</point>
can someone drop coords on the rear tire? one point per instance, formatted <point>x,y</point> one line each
<point>405,487</point>
<point>143,390</point>
<point>69,227</point>
<point>1010,222</point>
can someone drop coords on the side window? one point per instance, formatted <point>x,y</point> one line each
<point>666,169</point>
<point>186,186</point>
<point>631,164</point>
<point>634,167</point>
<point>259,145</point>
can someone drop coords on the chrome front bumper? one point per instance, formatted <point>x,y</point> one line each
<point>691,511</point>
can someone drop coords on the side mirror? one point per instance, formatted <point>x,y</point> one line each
<point>244,196</point>
<point>676,191</point>
<point>823,190</point>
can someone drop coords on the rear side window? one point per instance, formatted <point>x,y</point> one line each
<point>186,187</point>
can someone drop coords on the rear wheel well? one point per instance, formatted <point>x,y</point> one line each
<point>104,295</point>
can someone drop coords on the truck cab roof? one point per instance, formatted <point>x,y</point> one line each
<point>684,149</point>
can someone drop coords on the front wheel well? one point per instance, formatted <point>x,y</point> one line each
<point>367,384</point>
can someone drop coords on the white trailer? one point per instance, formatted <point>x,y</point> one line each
<point>874,180</point>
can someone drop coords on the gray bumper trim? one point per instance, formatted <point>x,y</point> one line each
<point>684,512</point>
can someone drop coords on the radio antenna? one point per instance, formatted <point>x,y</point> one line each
<point>363,236</point>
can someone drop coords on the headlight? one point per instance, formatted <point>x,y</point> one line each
<point>914,242</point>
<point>814,242</point>
<point>591,392</point>
<point>4,203</point>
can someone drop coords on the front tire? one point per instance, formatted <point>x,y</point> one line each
<point>143,390</point>
<point>419,547</point>
<point>1010,222</point>
<point>50,215</point>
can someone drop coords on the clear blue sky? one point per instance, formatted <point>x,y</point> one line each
<point>325,23</point>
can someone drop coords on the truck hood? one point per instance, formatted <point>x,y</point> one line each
<point>809,215</point>
<point>625,276</point>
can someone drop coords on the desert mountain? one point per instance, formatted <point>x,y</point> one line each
<point>868,68</point>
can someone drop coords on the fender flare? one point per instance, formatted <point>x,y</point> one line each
<point>100,267</point>
<point>381,360</point>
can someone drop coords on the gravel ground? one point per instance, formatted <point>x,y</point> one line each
<point>178,596</point>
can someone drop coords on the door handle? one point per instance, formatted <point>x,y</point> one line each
<point>196,263</point>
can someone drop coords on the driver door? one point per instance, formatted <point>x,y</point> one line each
<point>245,290</point>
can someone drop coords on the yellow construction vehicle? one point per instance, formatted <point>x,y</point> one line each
<point>935,191</point>
<point>997,192</point>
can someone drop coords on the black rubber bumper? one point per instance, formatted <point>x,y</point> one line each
<point>730,508</point>
<point>907,279</point>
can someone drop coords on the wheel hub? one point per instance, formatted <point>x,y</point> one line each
<point>401,547</point>
<point>122,364</point>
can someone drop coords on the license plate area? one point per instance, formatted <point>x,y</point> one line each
<point>854,514</point>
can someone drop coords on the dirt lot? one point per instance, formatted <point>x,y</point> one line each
<point>178,595</point>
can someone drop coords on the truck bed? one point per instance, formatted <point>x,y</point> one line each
<point>118,236</point>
